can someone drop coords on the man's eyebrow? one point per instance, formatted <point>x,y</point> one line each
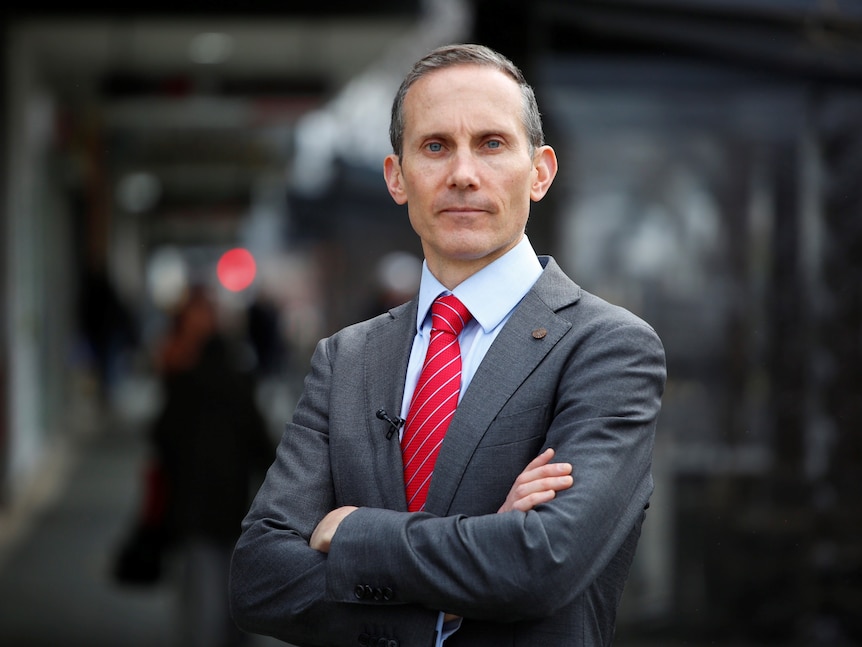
<point>482,134</point>
<point>433,135</point>
<point>494,132</point>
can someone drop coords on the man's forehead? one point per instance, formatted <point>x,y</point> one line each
<point>484,98</point>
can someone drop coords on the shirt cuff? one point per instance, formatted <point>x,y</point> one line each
<point>446,629</point>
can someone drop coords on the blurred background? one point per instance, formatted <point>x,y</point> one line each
<point>711,181</point>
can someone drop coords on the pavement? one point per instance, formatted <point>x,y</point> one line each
<point>57,547</point>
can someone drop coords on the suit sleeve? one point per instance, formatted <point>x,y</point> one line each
<point>277,582</point>
<point>605,396</point>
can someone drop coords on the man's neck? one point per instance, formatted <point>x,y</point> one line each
<point>451,273</point>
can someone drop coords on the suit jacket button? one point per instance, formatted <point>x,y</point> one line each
<point>360,591</point>
<point>364,640</point>
<point>388,593</point>
<point>378,593</point>
<point>392,643</point>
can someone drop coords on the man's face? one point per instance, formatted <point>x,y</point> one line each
<point>467,173</point>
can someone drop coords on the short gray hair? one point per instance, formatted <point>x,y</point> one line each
<point>450,56</point>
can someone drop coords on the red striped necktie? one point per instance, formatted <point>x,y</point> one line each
<point>435,398</point>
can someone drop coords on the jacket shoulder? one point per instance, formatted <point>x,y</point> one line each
<point>570,301</point>
<point>397,318</point>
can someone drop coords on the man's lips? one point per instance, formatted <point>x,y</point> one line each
<point>462,208</point>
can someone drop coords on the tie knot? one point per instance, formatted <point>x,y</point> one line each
<point>449,314</point>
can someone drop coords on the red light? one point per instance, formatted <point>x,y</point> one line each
<point>236,269</point>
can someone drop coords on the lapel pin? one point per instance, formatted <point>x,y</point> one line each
<point>539,333</point>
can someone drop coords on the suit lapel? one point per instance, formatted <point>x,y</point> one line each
<point>531,332</point>
<point>386,355</point>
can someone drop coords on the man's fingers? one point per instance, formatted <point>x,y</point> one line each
<point>321,538</point>
<point>542,459</point>
<point>531,501</point>
<point>538,483</point>
<point>536,473</point>
<point>525,496</point>
<point>542,491</point>
<point>550,483</point>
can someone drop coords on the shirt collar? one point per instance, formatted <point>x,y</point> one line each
<point>491,293</point>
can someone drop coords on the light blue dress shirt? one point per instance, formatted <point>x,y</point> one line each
<point>490,295</point>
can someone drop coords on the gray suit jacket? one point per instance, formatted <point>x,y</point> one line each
<point>568,371</point>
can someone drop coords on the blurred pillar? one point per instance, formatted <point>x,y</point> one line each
<point>788,358</point>
<point>838,550</point>
<point>841,320</point>
<point>733,191</point>
<point>4,201</point>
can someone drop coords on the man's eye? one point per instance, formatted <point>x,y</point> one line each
<point>494,143</point>
<point>435,147</point>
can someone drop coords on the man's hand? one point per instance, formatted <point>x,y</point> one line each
<point>321,538</point>
<point>538,483</point>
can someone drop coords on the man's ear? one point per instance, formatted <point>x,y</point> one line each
<point>545,162</point>
<point>394,180</point>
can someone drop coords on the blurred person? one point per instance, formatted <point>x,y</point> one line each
<point>108,327</point>
<point>213,447</point>
<point>263,319</point>
<point>193,322</point>
<point>526,532</point>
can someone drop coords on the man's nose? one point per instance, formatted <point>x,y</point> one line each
<point>463,170</point>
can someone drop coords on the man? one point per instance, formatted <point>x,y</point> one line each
<point>530,522</point>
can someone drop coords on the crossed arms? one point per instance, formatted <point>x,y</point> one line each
<point>538,483</point>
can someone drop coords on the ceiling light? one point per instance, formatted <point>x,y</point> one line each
<point>211,48</point>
